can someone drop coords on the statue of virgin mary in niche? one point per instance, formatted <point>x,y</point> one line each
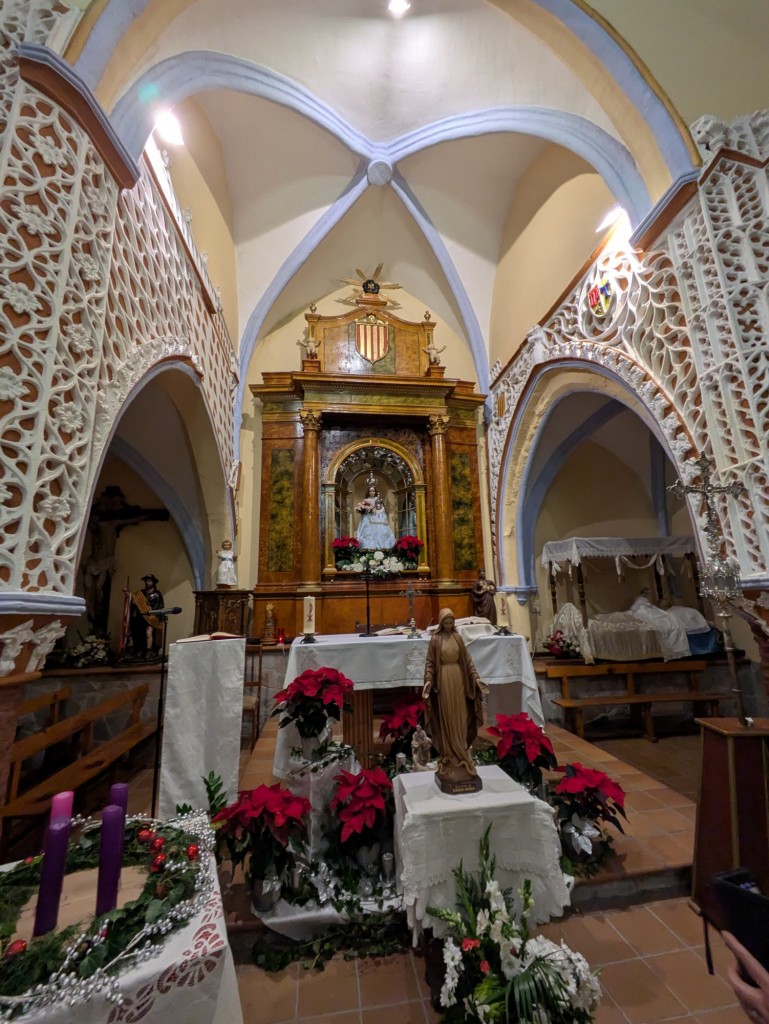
<point>374,532</point>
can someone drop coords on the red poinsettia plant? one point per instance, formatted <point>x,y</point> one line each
<point>403,720</point>
<point>523,749</point>
<point>590,795</point>
<point>314,696</point>
<point>362,804</point>
<point>264,823</point>
<point>346,550</point>
<point>407,549</point>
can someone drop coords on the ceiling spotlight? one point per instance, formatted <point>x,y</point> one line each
<point>169,129</point>
<point>398,7</point>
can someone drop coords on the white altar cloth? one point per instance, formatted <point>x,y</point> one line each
<point>434,831</point>
<point>202,721</point>
<point>192,980</point>
<point>503,662</point>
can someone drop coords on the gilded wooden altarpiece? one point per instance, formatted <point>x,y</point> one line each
<point>367,402</point>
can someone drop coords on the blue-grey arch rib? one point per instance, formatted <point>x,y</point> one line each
<point>532,497</point>
<point>525,573</point>
<point>176,78</point>
<point>118,14</point>
<point>436,243</point>
<point>191,531</point>
<point>290,266</point>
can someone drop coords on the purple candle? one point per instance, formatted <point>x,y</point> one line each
<point>110,858</point>
<point>61,805</point>
<point>118,794</point>
<point>51,876</point>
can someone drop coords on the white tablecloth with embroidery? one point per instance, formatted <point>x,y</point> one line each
<point>435,831</point>
<point>503,662</point>
<point>192,981</point>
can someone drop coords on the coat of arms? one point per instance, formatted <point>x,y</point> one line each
<point>600,297</point>
<point>371,338</point>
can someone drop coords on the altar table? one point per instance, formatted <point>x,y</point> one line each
<point>434,831</point>
<point>191,980</point>
<point>382,663</point>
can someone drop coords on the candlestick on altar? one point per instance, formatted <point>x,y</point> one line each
<point>309,621</point>
<point>110,858</point>
<point>51,876</point>
<point>61,805</point>
<point>410,593</point>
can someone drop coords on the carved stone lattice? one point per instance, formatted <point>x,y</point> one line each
<point>98,288</point>
<point>686,334</point>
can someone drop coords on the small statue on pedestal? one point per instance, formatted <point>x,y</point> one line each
<point>483,598</point>
<point>310,348</point>
<point>421,748</point>
<point>226,575</point>
<point>433,353</point>
<point>145,628</point>
<point>268,637</point>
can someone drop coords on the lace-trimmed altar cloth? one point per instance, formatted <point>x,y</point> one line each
<point>434,831</point>
<point>503,662</point>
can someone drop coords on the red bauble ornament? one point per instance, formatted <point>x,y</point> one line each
<point>145,835</point>
<point>14,948</point>
<point>157,844</point>
<point>158,863</point>
<point>193,851</point>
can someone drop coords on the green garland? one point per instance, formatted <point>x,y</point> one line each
<point>172,858</point>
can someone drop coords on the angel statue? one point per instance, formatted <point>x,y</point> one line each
<point>310,348</point>
<point>433,353</point>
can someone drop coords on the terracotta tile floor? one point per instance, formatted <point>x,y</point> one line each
<point>651,955</point>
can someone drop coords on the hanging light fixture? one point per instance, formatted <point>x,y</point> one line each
<point>398,7</point>
<point>168,128</point>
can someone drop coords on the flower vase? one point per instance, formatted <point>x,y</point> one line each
<point>265,894</point>
<point>314,747</point>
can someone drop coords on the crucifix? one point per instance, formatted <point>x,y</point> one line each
<point>410,593</point>
<point>720,576</point>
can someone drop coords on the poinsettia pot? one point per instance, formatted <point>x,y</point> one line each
<point>265,894</point>
<point>314,747</point>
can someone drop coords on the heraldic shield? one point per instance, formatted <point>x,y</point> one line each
<point>372,339</point>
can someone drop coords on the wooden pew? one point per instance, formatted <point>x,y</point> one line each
<point>639,702</point>
<point>89,759</point>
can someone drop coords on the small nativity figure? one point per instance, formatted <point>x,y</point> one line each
<point>226,574</point>
<point>453,693</point>
<point>421,749</point>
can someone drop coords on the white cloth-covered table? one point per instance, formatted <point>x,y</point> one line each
<point>435,831</point>
<point>503,662</point>
<point>202,720</point>
<point>192,981</point>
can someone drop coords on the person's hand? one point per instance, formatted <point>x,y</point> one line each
<point>426,690</point>
<point>754,1001</point>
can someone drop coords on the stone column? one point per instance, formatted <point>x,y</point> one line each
<point>311,422</point>
<point>442,517</point>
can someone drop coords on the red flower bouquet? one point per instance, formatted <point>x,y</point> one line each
<point>405,717</point>
<point>345,551</point>
<point>263,822</point>
<point>361,803</point>
<point>407,549</point>
<point>314,697</point>
<point>590,795</point>
<point>523,749</point>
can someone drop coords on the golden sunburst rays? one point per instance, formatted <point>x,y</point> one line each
<point>369,284</point>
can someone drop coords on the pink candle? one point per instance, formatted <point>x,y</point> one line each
<point>61,805</point>
<point>118,794</point>
<point>110,858</point>
<point>51,876</point>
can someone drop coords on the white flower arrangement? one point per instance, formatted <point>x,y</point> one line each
<point>496,971</point>
<point>377,564</point>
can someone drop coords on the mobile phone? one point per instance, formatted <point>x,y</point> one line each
<point>741,908</point>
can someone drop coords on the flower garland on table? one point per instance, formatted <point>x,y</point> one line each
<point>74,964</point>
<point>495,970</point>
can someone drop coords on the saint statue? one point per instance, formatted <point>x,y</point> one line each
<point>421,747</point>
<point>226,575</point>
<point>453,693</point>
<point>145,628</point>
<point>483,598</point>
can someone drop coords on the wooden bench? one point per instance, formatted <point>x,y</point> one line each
<point>54,701</point>
<point>88,759</point>
<point>639,703</point>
